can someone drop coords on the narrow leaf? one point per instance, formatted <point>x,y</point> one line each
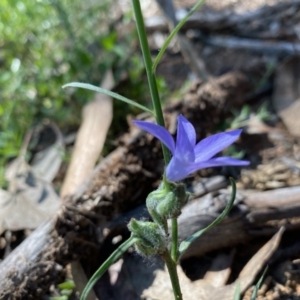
<point>237,292</point>
<point>173,33</point>
<point>112,258</point>
<point>186,243</point>
<point>108,93</point>
<point>257,286</point>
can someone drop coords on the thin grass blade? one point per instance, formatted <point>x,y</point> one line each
<point>237,292</point>
<point>173,33</point>
<point>112,258</point>
<point>97,89</point>
<point>186,243</point>
<point>257,286</point>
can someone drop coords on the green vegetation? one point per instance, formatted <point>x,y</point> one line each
<point>48,43</point>
<point>65,289</point>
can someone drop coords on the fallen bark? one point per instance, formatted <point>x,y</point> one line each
<point>118,184</point>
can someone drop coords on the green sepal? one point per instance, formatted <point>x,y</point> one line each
<point>151,239</point>
<point>171,206</point>
<point>152,202</point>
<point>164,203</point>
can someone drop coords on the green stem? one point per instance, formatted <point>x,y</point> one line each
<point>171,265</point>
<point>170,261</point>
<point>151,76</point>
<point>112,258</point>
<point>174,246</point>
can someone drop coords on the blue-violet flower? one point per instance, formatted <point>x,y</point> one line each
<point>189,157</point>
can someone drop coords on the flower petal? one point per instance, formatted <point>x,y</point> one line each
<point>217,162</point>
<point>188,128</point>
<point>159,132</point>
<point>213,144</point>
<point>177,170</point>
<point>186,140</point>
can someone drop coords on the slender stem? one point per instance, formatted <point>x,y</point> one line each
<point>170,261</point>
<point>171,265</point>
<point>174,245</point>
<point>151,76</point>
<point>103,268</point>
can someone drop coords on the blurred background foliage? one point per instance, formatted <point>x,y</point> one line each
<point>47,43</point>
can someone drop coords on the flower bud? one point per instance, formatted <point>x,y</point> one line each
<point>152,240</point>
<point>165,204</point>
<point>152,201</point>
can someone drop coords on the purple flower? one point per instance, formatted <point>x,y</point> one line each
<point>189,157</point>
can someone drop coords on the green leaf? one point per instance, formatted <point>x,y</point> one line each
<point>173,33</point>
<point>257,286</point>
<point>59,298</point>
<point>103,268</point>
<point>109,41</point>
<point>94,88</point>
<point>237,292</point>
<point>67,285</point>
<point>186,243</point>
